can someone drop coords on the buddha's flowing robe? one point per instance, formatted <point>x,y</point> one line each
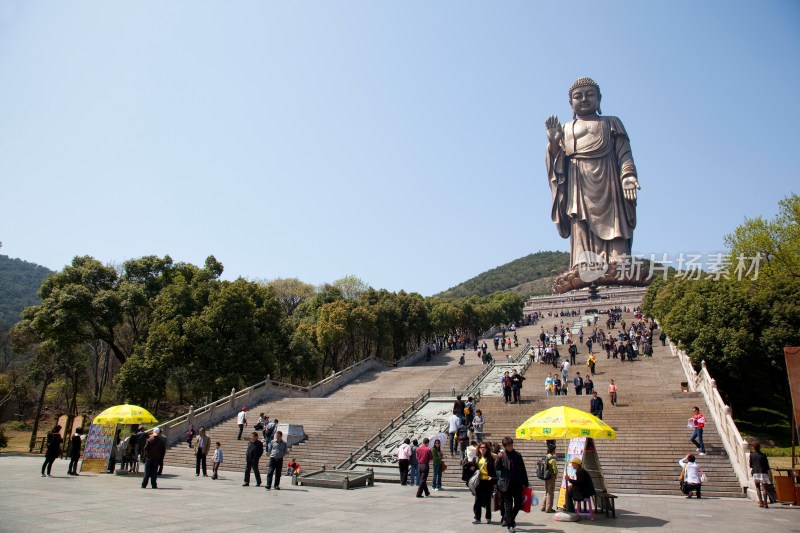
<point>586,176</point>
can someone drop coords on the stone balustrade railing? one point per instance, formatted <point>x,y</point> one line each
<point>216,411</point>
<point>736,447</point>
<point>226,407</point>
<point>377,437</point>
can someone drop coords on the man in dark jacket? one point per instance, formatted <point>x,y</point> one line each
<point>516,385</point>
<point>596,405</point>
<point>579,488</point>
<point>254,452</point>
<point>154,452</point>
<point>511,479</point>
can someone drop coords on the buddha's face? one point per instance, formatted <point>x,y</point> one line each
<point>585,100</point>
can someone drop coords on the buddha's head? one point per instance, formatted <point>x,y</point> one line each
<point>584,97</point>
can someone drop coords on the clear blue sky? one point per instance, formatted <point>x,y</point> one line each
<point>402,142</point>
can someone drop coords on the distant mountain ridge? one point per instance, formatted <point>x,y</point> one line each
<point>532,274</point>
<point>19,287</point>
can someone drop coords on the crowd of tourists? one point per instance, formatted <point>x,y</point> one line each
<point>495,472</point>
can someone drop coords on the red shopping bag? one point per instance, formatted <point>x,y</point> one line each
<point>527,494</point>
<point>497,500</point>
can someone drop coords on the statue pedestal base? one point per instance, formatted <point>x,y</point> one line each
<point>611,274</point>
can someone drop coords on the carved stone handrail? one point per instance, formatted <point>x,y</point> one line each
<point>411,409</point>
<point>736,447</point>
<point>225,407</point>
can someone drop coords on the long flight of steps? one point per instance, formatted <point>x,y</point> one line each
<point>650,421</point>
<point>339,424</point>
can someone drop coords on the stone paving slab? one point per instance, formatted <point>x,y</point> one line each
<point>104,503</point>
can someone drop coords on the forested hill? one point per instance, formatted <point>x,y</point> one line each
<point>19,284</point>
<point>519,275</point>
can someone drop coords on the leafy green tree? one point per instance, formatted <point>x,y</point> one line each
<point>79,304</point>
<point>291,292</point>
<point>740,326</point>
<point>351,287</point>
<point>777,240</point>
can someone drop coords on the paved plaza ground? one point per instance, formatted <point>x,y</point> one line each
<point>183,502</point>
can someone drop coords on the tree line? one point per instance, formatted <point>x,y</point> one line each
<point>740,326</point>
<point>157,332</point>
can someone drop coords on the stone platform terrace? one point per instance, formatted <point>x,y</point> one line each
<point>102,503</point>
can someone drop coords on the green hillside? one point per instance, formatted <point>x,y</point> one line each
<point>531,274</point>
<point>19,284</point>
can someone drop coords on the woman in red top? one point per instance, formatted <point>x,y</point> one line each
<point>698,422</point>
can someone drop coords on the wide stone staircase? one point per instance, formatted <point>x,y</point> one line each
<point>338,424</point>
<point>650,420</point>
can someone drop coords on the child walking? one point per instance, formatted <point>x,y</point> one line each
<point>216,460</point>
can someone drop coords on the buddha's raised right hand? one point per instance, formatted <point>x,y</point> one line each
<point>555,132</point>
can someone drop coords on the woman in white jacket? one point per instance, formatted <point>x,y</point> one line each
<point>692,474</point>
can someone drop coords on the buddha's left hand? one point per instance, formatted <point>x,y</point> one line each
<point>629,187</point>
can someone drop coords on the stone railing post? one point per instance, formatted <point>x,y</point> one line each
<point>233,398</point>
<point>190,417</point>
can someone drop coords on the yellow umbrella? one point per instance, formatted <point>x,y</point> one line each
<point>564,423</point>
<point>125,414</point>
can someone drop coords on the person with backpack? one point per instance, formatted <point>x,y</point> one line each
<point>458,407</point>
<point>547,471</point>
<point>486,478</point>
<point>469,410</point>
